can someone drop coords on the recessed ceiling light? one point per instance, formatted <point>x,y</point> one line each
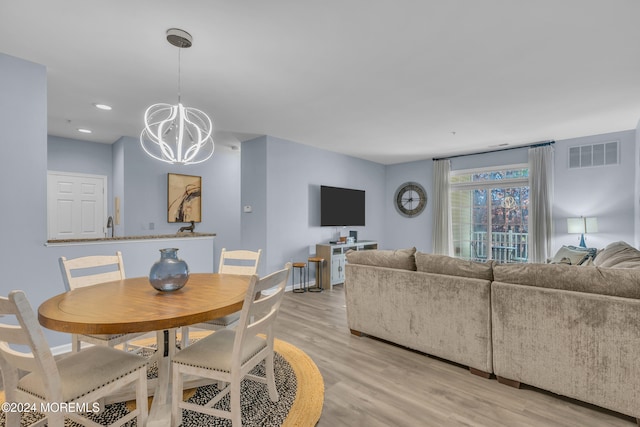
<point>84,130</point>
<point>102,107</point>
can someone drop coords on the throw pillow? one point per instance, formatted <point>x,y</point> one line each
<point>442,264</point>
<point>403,259</point>
<point>618,255</point>
<point>571,255</point>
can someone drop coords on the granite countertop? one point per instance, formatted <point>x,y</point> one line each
<point>148,237</point>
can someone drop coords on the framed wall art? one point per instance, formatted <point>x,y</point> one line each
<point>184,195</point>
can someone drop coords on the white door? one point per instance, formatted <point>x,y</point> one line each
<point>76,206</point>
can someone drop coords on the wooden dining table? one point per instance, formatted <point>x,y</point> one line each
<point>133,305</point>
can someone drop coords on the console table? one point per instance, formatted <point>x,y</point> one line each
<point>334,256</point>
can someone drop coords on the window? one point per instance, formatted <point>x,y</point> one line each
<point>490,213</point>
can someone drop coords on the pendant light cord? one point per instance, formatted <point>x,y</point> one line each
<point>179,94</point>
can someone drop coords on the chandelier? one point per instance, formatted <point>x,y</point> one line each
<point>174,133</point>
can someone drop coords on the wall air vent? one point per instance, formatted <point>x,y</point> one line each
<point>600,154</point>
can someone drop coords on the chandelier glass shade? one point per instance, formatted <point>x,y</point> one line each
<point>174,133</point>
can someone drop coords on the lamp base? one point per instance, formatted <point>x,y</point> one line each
<point>582,243</point>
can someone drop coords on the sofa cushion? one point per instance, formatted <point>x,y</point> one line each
<point>618,255</point>
<point>403,259</point>
<point>442,264</point>
<point>594,280</point>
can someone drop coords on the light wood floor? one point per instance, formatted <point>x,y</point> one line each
<point>373,383</point>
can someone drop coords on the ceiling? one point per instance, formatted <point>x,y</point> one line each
<point>388,81</point>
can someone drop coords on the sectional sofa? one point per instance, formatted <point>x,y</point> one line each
<point>570,329</point>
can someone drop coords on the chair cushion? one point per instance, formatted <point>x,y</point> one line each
<point>225,320</point>
<point>214,351</point>
<point>86,371</point>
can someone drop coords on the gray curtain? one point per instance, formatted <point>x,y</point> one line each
<point>540,202</point>
<point>442,241</point>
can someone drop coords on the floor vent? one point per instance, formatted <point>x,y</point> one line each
<point>601,154</point>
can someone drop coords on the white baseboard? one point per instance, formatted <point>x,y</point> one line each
<point>289,288</point>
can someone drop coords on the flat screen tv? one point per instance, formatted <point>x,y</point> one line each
<point>341,206</point>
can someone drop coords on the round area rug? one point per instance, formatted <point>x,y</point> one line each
<point>299,384</point>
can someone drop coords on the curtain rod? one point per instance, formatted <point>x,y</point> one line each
<point>538,144</point>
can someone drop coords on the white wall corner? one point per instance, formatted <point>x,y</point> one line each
<point>636,205</point>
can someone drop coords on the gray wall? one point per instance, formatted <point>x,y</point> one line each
<point>254,194</point>
<point>281,181</point>
<point>636,197</point>
<point>399,231</point>
<point>606,192</point>
<point>145,193</point>
<point>23,173</point>
<point>72,155</point>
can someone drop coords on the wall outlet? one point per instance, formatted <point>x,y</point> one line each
<point>152,226</point>
<point>247,209</point>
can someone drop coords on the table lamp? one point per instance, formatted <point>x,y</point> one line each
<point>582,226</point>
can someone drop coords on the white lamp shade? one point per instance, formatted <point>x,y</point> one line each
<point>575,225</point>
<point>591,225</point>
<point>582,225</point>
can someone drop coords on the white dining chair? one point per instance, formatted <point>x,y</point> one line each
<point>80,379</point>
<point>242,262</point>
<point>228,355</point>
<point>89,271</point>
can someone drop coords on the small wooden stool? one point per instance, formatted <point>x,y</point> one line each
<point>303,277</point>
<point>319,262</point>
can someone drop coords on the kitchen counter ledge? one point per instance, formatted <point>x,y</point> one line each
<point>183,235</point>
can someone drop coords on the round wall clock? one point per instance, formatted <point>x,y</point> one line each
<point>411,199</point>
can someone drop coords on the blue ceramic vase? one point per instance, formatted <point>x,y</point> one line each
<point>169,273</point>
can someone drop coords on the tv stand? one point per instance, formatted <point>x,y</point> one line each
<point>334,256</point>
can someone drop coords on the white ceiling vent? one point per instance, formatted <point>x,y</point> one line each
<point>601,154</point>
